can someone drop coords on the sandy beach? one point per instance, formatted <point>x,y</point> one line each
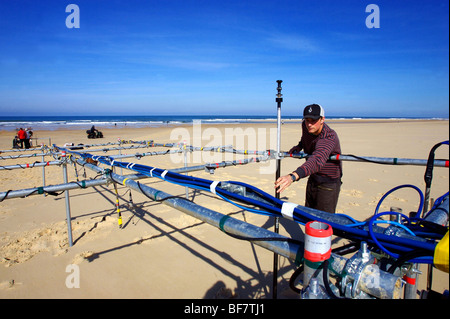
<point>161,253</point>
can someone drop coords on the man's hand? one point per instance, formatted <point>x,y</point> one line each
<point>284,182</point>
<point>295,149</point>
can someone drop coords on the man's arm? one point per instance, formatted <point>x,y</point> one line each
<point>317,159</point>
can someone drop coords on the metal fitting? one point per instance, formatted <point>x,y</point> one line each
<point>314,290</point>
<point>364,277</point>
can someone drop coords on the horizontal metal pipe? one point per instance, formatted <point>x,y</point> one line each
<point>222,149</point>
<point>375,160</point>
<point>237,162</point>
<point>139,155</point>
<point>25,155</point>
<point>36,164</point>
<point>107,149</point>
<point>15,150</point>
<point>73,147</point>
<point>60,187</point>
<point>120,142</point>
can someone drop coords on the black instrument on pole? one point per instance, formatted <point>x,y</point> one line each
<point>428,177</point>
<point>279,99</point>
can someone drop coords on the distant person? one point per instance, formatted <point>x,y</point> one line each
<point>16,142</point>
<point>94,133</point>
<point>22,136</point>
<point>29,133</point>
<point>319,141</point>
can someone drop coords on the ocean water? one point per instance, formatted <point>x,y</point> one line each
<point>83,122</point>
<point>11,123</point>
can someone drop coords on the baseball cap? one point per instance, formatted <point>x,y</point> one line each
<point>313,111</point>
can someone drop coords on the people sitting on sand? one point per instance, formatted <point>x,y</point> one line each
<point>16,142</point>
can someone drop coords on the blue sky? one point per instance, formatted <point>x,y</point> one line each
<point>224,57</point>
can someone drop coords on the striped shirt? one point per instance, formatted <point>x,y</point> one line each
<point>320,148</point>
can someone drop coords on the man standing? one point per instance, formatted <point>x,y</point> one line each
<point>319,141</point>
<point>22,137</point>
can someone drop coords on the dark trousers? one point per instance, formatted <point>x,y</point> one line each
<point>322,195</point>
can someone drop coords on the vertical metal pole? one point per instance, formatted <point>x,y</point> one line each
<point>185,165</point>
<point>66,194</point>
<point>43,167</point>
<point>119,215</point>
<point>411,281</point>
<point>279,99</point>
<point>411,275</point>
<point>120,153</point>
